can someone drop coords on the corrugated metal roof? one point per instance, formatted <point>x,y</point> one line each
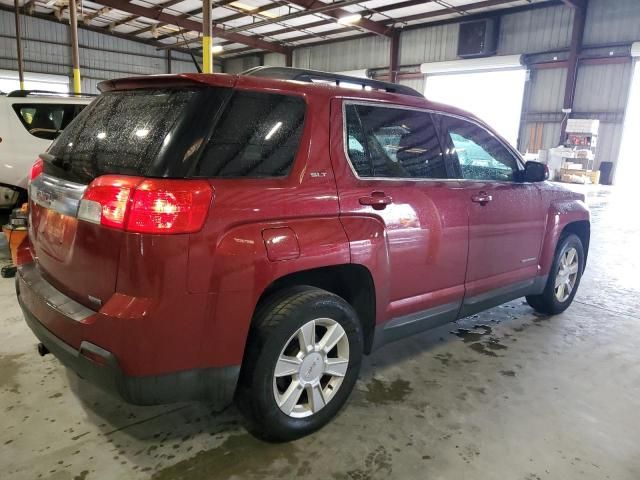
<point>281,22</point>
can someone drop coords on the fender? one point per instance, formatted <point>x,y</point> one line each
<point>561,213</point>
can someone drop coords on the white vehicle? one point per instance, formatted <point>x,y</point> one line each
<point>29,121</point>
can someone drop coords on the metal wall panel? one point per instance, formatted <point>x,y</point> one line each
<point>46,50</point>
<point>603,88</point>
<point>609,142</point>
<point>431,44</point>
<point>240,64</point>
<point>275,59</point>
<point>610,21</point>
<point>546,90</point>
<point>535,30</point>
<point>367,52</point>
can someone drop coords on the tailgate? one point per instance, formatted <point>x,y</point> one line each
<point>79,258</point>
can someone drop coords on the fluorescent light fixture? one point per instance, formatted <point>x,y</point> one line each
<point>273,130</point>
<point>350,19</point>
<point>217,49</point>
<point>101,135</point>
<point>249,8</point>
<point>142,132</point>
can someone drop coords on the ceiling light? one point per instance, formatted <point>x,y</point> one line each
<point>350,19</point>
<point>217,49</point>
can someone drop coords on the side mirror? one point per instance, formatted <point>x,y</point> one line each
<point>535,172</point>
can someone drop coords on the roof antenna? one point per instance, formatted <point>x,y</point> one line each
<point>193,58</point>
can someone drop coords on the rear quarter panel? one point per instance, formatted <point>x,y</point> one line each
<point>228,258</point>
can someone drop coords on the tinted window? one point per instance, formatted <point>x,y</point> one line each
<point>480,155</point>
<point>46,120</point>
<point>120,132</point>
<point>393,142</point>
<point>256,136</point>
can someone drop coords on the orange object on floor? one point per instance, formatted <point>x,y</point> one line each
<point>15,236</point>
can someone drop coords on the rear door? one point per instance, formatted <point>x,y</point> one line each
<point>404,219</point>
<point>506,218</point>
<point>137,133</point>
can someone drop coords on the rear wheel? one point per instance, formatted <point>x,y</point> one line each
<point>564,277</point>
<point>302,361</point>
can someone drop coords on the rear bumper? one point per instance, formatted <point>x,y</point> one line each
<point>101,367</point>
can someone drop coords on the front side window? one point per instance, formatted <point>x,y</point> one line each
<point>257,136</point>
<point>480,155</point>
<point>46,120</point>
<point>388,142</point>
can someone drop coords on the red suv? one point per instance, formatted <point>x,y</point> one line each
<point>215,236</point>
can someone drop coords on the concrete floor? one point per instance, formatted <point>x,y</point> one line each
<point>514,396</point>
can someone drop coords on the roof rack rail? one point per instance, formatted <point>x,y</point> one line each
<point>314,76</point>
<point>35,93</point>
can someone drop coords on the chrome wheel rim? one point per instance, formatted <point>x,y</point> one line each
<point>567,274</point>
<point>311,367</point>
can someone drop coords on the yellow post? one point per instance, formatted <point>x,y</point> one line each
<point>207,64</point>
<point>75,54</point>
<point>206,55</point>
<point>77,84</point>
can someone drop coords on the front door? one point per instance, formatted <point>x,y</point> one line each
<point>506,218</point>
<point>405,221</point>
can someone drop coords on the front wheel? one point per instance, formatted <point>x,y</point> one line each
<point>564,277</point>
<point>303,359</point>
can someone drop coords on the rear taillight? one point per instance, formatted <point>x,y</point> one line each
<point>142,205</point>
<point>36,169</point>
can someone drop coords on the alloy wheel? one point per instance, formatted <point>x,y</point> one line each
<point>567,274</point>
<point>311,367</point>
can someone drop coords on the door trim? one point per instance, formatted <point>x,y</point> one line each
<point>413,323</point>
<point>407,325</point>
<point>498,296</point>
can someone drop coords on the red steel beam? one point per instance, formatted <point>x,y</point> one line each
<point>394,56</point>
<point>154,14</point>
<point>579,18</point>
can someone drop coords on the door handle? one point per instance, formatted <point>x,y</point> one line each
<point>482,198</point>
<point>377,200</point>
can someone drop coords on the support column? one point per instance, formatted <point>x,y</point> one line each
<point>75,52</point>
<point>168,60</point>
<point>19,45</point>
<point>394,55</point>
<point>579,17</point>
<point>207,63</point>
<point>289,58</point>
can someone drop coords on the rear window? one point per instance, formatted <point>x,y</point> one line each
<point>181,133</point>
<point>120,132</point>
<point>46,120</point>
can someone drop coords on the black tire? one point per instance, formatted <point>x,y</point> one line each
<point>275,321</point>
<point>547,302</point>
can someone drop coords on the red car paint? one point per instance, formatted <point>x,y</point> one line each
<point>171,303</point>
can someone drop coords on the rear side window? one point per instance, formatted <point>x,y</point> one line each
<point>120,132</point>
<point>388,142</point>
<point>46,120</point>
<point>257,136</point>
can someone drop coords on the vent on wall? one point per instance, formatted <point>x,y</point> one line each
<point>478,38</point>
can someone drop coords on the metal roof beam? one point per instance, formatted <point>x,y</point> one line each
<point>192,25</point>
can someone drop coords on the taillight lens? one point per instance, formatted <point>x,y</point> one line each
<point>36,169</point>
<point>142,205</point>
<point>170,206</point>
